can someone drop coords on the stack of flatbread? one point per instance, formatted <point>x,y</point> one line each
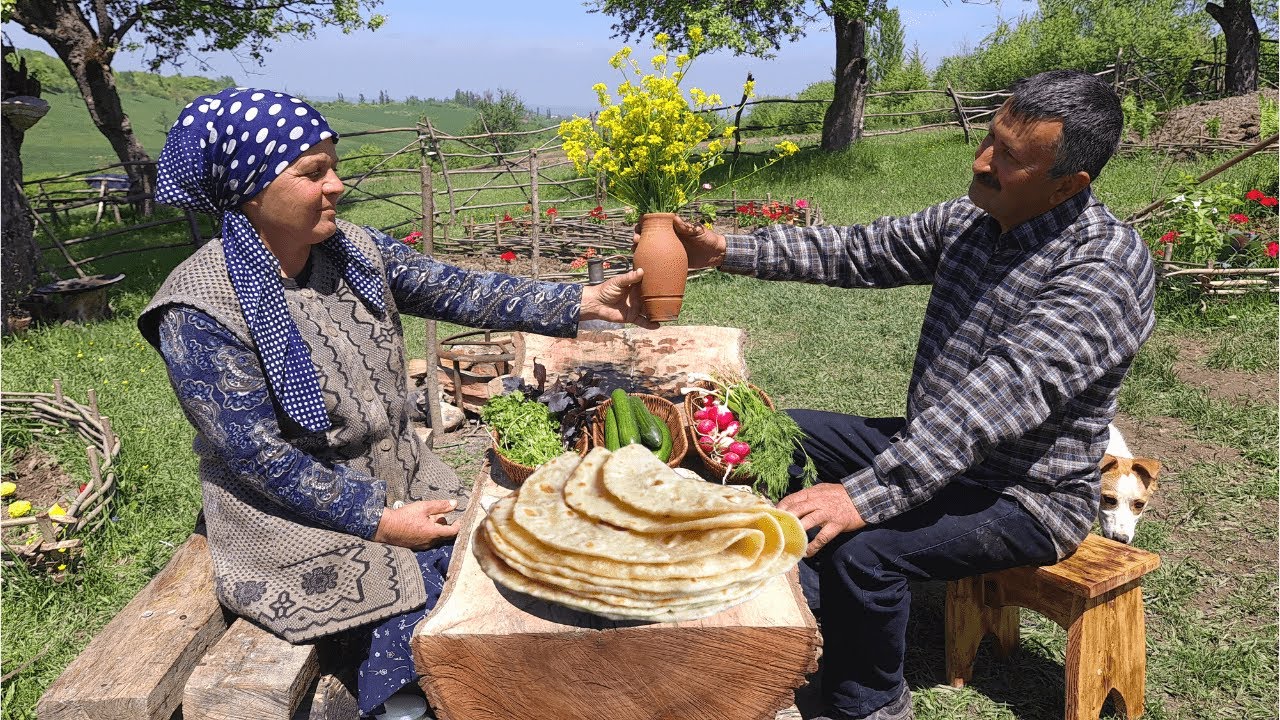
<point>621,535</point>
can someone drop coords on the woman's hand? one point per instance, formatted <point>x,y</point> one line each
<point>705,247</point>
<point>417,525</point>
<point>615,300</point>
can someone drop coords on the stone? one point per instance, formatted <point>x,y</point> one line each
<point>450,415</point>
<point>638,360</point>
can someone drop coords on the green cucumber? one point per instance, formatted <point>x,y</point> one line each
<point>627,431</point>
<point>646,424</point>
<point>610,429</point>
<point>664,451</point>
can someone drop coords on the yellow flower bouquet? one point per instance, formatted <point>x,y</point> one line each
<point>653,145</point>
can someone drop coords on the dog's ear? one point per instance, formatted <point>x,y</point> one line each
<point>1108,462</point>
<point>1147,469</point>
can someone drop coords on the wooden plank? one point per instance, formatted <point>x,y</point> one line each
<point>485,652</point>
<point>137,665</point>
<point>250,674</point>
<point>1098,566</point>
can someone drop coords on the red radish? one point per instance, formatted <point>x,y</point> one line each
<point>704,414</point>
<point>723,442</point>
<point>708,401</point>
<point>740,448</point>
<point>732,458</point>
<point>706,427</point>
<point>707,444</point>
<point>724,416</point>
<point>731,429</point>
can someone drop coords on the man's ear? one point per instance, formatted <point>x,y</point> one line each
<point>1069,185</point>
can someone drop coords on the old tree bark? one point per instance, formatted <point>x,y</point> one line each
<point>842,125</point>
<point>18,247</point>
<point>88,55</point>
<point>1243,43</point>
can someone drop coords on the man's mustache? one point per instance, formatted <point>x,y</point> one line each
<point>987,179</point>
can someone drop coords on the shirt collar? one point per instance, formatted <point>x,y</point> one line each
<point>1048,224</point>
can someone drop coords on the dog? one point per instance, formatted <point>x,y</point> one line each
<point>1128,484</point>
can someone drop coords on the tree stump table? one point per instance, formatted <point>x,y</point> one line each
<point>488,653</point>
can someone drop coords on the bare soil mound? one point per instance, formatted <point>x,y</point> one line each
<point>1238,118</point>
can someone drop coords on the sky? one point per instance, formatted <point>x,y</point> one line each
<point>550,51</point>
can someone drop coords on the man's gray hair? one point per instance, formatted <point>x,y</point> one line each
<point>1088,109</point>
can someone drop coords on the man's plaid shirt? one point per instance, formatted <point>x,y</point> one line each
<point>1026,339</point>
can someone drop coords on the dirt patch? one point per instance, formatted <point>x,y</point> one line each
<point>1230,385</point>
<point>1172,442</point>
<point>1238,116</point>
<point>40,479</point>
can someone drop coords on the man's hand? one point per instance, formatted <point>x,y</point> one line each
<point>615,300</point>
<point>825,505</point>
<point>705,247</point>
<point>417,525</point>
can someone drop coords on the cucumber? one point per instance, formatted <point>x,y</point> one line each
<point>627,431</point>
<point>646,424</point>
<point>610,429</point>
<point>664,451</point>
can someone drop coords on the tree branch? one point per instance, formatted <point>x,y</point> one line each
<point>106,27</point>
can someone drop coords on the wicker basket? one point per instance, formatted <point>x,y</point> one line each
<point>518,473</point>
<point>715,466</point>
<point>664,410</point>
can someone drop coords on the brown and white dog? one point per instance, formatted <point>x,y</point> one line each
<point>1128,483</point>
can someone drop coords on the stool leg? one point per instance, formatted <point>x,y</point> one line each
<point>1106,650</point>
<point>968,620</point>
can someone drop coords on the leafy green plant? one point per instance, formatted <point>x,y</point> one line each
<point>1213,126</point>
<point>1221,225</point>
<point>1267,115</point>
<point>1138,117</point>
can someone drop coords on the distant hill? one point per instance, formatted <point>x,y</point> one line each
<point>66,139</point>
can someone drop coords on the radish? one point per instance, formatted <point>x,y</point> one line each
<point>723,442</point>
<point>731,429</point>
<point>707,444</point>
<point>704,414</point>
<point>706,426</point>
<point>741,449</point>
<point>724,416</point>
<point>732,458</point>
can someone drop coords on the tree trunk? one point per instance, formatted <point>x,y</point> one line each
<point>18,252</point>
<point>1241,31</point>
<point>842,125</point>
<point>62,24</point>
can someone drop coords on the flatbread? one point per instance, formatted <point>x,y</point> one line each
<point>540,510</point>
<point>637,479</point>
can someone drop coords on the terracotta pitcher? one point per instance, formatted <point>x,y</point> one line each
<point>666,266</point>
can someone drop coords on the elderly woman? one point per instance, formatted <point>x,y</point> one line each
<point>283,343</point>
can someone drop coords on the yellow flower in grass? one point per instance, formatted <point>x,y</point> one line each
<point>19,508</point>
<point>7,488</point>
<point>786,147</point>
<point>57,511</point>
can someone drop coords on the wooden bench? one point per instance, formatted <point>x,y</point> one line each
<point>1095,595</point>
<point>172,647</point>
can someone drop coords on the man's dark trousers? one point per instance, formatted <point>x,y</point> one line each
<point>858,584</point>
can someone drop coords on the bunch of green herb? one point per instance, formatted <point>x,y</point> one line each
<point>527,434</point>
<point>774,436</point>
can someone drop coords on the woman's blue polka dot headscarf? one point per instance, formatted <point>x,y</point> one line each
<point>223,150</point>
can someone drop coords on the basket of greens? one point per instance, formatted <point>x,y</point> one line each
<point>742,438</point>
<point>531,425</point>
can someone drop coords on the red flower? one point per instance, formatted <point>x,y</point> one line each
<point>1170,236</point>
<point>412,238</point>
<point>552,212</point>
<point>1273,249</point>
<point>1239,218</point>
<point>508,256</point>
<point>85,485</point>
<point>1268,201</point>
<point>506,218</point>
<point>1254,195</point>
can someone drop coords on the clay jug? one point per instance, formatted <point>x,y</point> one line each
<point>666,266</point>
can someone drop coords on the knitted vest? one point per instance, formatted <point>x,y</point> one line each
<point>300,580</point>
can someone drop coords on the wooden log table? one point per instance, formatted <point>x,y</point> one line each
<point>489,653</point>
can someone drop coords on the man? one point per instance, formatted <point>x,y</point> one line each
<point>1041,299</point>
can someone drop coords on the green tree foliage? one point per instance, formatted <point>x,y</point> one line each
<point>885,46</point>
<point>502,114</point>
<point>1083,34</point>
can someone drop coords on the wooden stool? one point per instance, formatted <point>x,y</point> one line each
<point>1095,595</point>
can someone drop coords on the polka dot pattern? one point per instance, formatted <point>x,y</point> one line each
<point>213,168</point>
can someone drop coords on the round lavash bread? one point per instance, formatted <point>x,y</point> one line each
<point>499,523</point>
<point>638,480</point>
<point>614,608</point>
<point>540,509</point>
<point>574,575</point>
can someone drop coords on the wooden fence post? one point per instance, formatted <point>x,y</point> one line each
<point>193,226</point>
<point>964,121</point>
<point>737,120</point>
<point>537,214</point>
<point>444,168</point>
<point>434,415</point>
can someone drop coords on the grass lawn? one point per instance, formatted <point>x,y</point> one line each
<point>1201,398</point>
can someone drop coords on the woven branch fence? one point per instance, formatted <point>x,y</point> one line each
<point>87,511</point>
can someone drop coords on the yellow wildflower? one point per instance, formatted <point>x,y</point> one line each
<point>786,147</point>
<point>616,61</point>
<point>57,511</point>
<point>19,508</point>
<point>695,34</point>
<point>62,567</point>
<point>749,89</point>
<point>7,488</point>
